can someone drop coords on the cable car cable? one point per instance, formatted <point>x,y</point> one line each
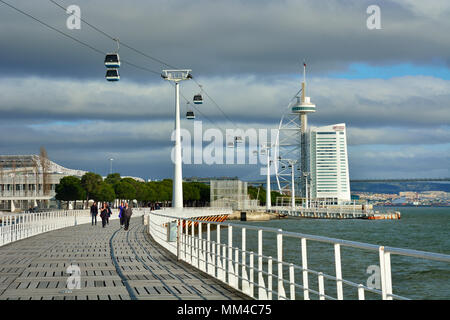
<point>113,38</point>
<point>73,38</point>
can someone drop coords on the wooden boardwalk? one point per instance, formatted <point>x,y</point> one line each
<point>115,265</point>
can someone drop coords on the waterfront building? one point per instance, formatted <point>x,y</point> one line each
<point>29,181</point>
<point>328,158</point>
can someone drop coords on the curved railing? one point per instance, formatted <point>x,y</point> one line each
<point>14,227</point>
<point>253,273</point>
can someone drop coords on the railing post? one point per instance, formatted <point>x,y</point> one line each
<point>236,268</point>
<point>321,287</point>
<point>186,239</point>
<point>218,256</point>
<point>200,248</point>
<point>230,256</point>
<point>361,292</point>
<point>252,275</point>
<point>244,281</point>
<point>292,281</point>
<point>262,295</point>
<point>337,259</point>
<point>388,275</point>
<point>178,239</point>
<point>305,271</point>
<point>382,273</point>
<point>192,242</point>
<point>281,292</point>
<point>269,278</point>
<point>208,248</point>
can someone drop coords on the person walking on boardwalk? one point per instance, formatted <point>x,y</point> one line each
<point>127,213</point>
<point>121,215</point>
<point>94,212</point>
<point>108,211</point>
<point>104,214</point>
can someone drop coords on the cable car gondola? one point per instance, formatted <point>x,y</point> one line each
<point>190,115</point>
<point>112,60</point>
<point>112,75</point>
<point>198,99</point>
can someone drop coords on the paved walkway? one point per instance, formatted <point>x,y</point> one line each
<point>115,265</point>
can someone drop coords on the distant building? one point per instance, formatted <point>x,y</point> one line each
<point>30,181</point>
<point>328,159</point>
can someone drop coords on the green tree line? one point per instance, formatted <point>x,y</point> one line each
<point>92,186</point>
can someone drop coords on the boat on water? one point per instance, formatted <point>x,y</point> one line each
<point>385,216</point>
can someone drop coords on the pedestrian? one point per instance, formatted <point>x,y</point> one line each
<point>94,212</point>
<point>104,214</point>
<point>121,215</point>
<point>127,213</point>
<point>108,210</point>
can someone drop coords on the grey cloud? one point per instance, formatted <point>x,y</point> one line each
<point>406,101</point>
<point>224,37</point>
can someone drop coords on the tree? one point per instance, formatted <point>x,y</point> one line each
<point>70,189</point>
<point>91,182</point>
<point>113,179</point>
<point>125,190</point>
<point>104,192</point>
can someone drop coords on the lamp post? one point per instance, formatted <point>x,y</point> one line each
<point>268,190</point>
<point>292,163</point>
<point>307,187</point>
<point>110,165</point>
<point>176,76</point>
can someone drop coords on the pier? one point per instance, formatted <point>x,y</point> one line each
<point>114,265</point>
<point>181,254</point>
<point>337,213</point>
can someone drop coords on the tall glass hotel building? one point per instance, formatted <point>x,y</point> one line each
<point>329,176</point>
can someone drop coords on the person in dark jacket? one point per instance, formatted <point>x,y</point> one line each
<point>109,212</point>
<point>94,212</point>
<point>104,214</point>
<point>127,213</point>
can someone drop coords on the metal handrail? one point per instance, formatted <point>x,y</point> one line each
<point>201,253</point>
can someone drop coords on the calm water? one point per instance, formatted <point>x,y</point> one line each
<point>424,229</point>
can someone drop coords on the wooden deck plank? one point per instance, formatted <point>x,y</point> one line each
<point>36,268</point>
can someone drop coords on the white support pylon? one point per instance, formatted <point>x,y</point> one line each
<point>177,191</point>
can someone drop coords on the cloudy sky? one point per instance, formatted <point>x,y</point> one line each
<point>391,86</point>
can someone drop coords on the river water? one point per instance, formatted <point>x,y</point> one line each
<point>426,229</point>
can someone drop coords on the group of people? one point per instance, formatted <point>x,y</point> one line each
<point>125,213</point>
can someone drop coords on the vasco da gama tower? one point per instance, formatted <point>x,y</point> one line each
<point>323,156</point>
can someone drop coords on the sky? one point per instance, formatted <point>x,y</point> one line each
<point>391,86</point>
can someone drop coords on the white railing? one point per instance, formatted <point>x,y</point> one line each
<point>265,277</point>
<point>14,227</point>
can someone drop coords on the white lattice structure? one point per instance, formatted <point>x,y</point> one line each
<point>230,194</point>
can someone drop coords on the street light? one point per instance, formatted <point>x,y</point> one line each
<point>292,163</point>
<point>177,76</point>
<point>266,149</point>
<point>110,165</point>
